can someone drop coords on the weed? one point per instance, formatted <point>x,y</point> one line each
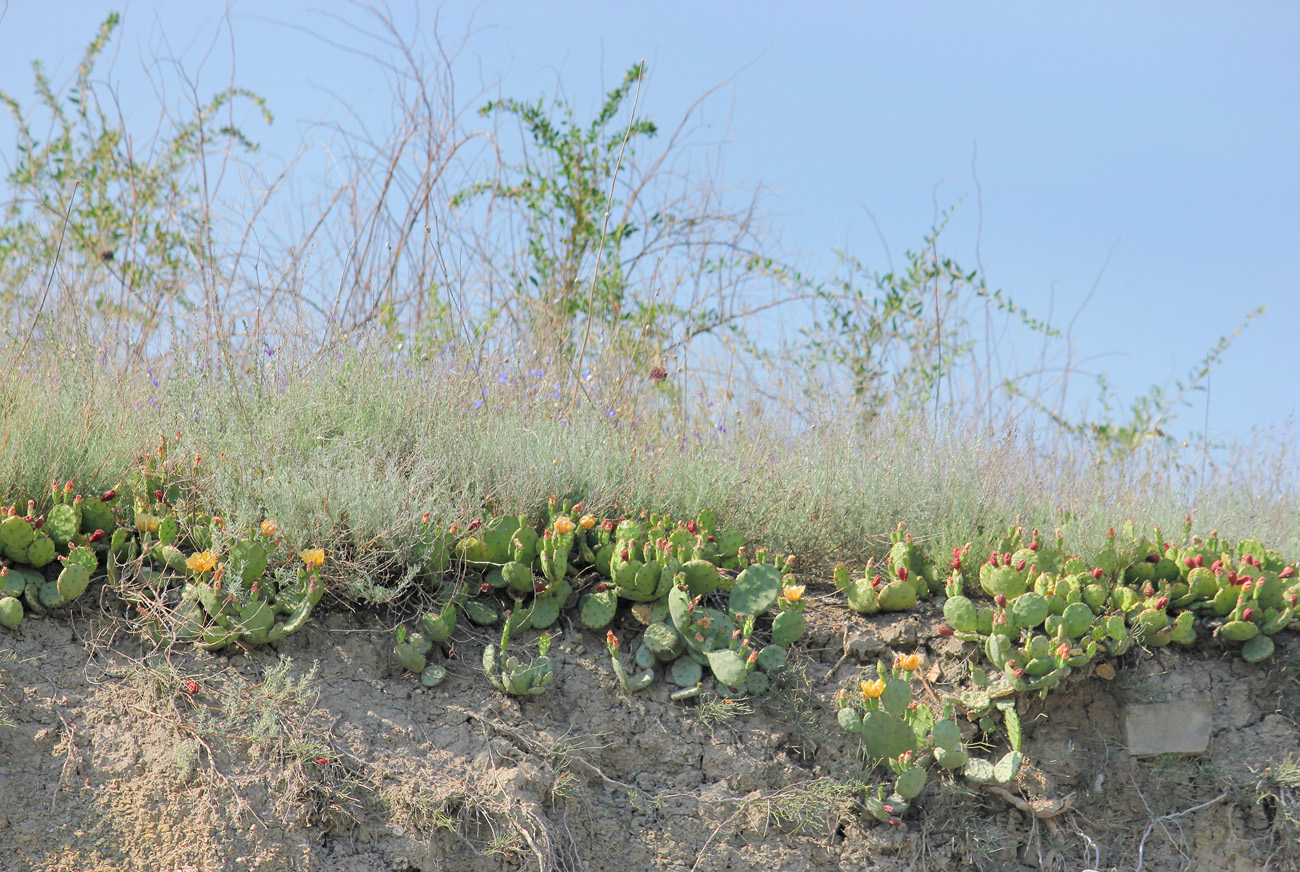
<point>713,711</point>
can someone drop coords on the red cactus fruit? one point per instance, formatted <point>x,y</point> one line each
<point>1034,546</point>
<point>692,527</point>
<point>902,573</point>
<point>1287,572</point>
<point>946,631</point>
<point>1162,603</point>
<point>97,535</point>
<point>1199,560</point>
<point>1020,673</point>
<point>1216,566</point>
<point>485,588</point>
<point>1153,558</point>
<point>1001,600</point>
<point>602,587</point>
<point>109,496</point>
<point>1020,566</point>
<point>1148,591</point>
<point>1189,562</point>
<point>475,524</point>
<point>1006,558</point>
<point>1097,573</point>
<point>191,687</point>
<point>1248,614</point>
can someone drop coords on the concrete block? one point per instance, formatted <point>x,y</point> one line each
<point>1168,728</point>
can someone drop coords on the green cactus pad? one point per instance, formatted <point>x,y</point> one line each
<point>480,614</point>
<point>946,734</point>
<point>438,627</point>
<point>596,610</point>
<point>701,577</point>
<point>910,783</point>
<point>432,675</point>
<point>1030,609</point>
<point>1239,631</point>
<point>649,613</point>
<point>15,535</point>
<point>961,614</point>
<point>1003,580</point>
<point>849,719</point>
<point>728,667</point>
<point>755,590</point>
<point>663,640</point>
<point>897,596</point>
<point>686,672</point>
<point>72,582</point>
<point>546,610</point>
<point>518,577</point>
<point>951,759</point>
<point>1077,619</point>
<point>41,550</point>
<point>787,627</point>
<point>497,534</point>
<point>62,523</point>
<point>886,736</point>
<point>411,658</point>
<point>13,581</point>
<point>1257,648</point>
<point>772,658</point>
<point>862,597</point>
<point>96,515</point>
<point>474,552</point>
<point>11,612</point>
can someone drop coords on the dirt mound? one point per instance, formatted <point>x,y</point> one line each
<point>322,754</point>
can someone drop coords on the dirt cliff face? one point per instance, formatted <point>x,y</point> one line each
<point>324,754</point>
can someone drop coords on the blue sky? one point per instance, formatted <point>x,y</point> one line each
<point>1151,150</point>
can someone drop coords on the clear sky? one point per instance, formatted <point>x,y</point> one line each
<point>1149,149</point>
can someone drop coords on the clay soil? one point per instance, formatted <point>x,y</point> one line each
<point>323,754</point>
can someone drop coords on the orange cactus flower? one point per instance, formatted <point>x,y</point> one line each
<point>908,663</point>
<point>872,689</point>
<point>268,528</point>
<point>313,557</point>
<point>793,593</point>
<point>563,525</point>
<point>587,522</point>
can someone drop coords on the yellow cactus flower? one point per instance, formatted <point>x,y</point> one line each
<point>909,663</point>
<point>269,528</point>
<point>793,593</point>
<point>201,561</point>
<point>563,525</point>
<point>872,689</point>
<point>313,557</point>
<point>587,522</point>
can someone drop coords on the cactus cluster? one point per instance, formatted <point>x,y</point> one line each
<point>1051,613</point>
<point>907,576</point>
<point>906,737</point>
<point>702,601</point>
<point>50,559</point>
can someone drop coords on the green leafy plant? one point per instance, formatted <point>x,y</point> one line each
<point>139,234</point>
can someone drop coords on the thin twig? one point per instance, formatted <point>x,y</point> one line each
<point>604,232</point>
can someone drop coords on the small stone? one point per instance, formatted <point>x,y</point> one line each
<point>1168,728</point>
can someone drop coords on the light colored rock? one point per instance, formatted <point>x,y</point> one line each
<point>1168,728</point>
